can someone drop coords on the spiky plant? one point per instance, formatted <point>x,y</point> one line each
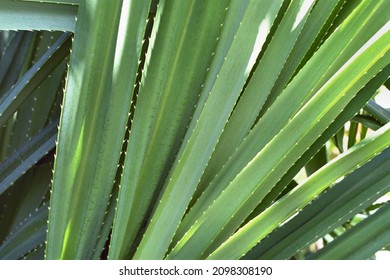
<point>194,129</point>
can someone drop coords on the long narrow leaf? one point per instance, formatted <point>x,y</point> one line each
<point>330,210</point>
<point>252,32</point>
<point>11,101</point>
<point>162,115</point>
<point>265,170</point>
<point>70,2</point>
<point>285,107</point>
<point>357,103</point>
<point>36,16</point>
<point>259,87</point>
<point>19,162</point>
<point>96,106</point>
<point>280,113</point>
<point>28,237</point>
<point>258,228</point>
<point>362,241</point>
<point>378,111</point>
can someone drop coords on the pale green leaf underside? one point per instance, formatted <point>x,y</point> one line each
<point>37,16</point>
<point>70,2</point>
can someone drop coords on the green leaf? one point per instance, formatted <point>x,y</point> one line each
<point>70,2</point>
<point>238,62</point>
<point>27,237</point>
<point>352,134</point>
<point>249,235</point>
<point>319,160</point>
<point>349,111</point>
<point>310,39</point>
<point>36,16</point>
<point>378,112</point>
<point>12,100</point>
<point>265,170</point>
<point>36,254</point>
<point>331,209</point>
<point>105,232</point>
<point>13,58</point>
<point>96,108</point>
<point>367,121</point>
<point>276,117</point>
<point>34,113</point>
<point>134,25</point>
<point>22,159</point>
<point>259,87</point>
<point>184,125</point>
<point>362,241</point>
<point>22,198</point>
<point>162,115</point>
<point>338,139</point>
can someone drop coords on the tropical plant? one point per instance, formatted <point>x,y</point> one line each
<point>231,129</point>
